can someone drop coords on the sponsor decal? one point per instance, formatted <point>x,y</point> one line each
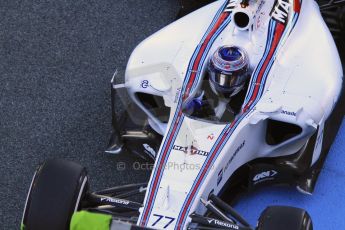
<point>259,20</point>
<point>178,91</point>
<point>114,200</point>
<point>259,14</point>
<point>235,154</point>
<point>193,150</point>
<point>281,10</point>
<point>145,84</point>
<point>264,176</point>
<point>210,137</point>
<point>166,220</point>
<point>149,150</point>
<point>223,224</point>
<point>220,177</point>
<point>289,113</point>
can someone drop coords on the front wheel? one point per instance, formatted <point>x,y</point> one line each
<point>284,218</point>
<point>54,195</point>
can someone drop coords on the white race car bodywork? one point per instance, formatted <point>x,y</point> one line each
<point>297,79</point>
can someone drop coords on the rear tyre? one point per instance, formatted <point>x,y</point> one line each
<point>55,193</point>
<point>284,218</point>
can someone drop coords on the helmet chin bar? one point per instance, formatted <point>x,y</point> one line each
<point>225,93</point>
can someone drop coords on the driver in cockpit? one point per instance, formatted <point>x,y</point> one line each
<point>222,93</point>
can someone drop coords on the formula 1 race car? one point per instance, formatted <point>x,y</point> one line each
<point>236,95</point>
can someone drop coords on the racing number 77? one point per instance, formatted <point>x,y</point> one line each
<point>160,217</point>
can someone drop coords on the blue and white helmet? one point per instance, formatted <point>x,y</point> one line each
<point>228,70</point>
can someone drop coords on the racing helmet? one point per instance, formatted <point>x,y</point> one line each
<point>228,70</point>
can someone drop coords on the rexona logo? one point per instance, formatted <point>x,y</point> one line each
<point>113,200</point>
<point>193,150</point>
<point>223,224</point>
<point>281,10</point>
<point>268,175</point>
<point>149,149</point>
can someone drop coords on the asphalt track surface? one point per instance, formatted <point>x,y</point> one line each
<point>56,61</point>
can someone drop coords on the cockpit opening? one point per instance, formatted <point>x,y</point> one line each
<point>223,89</point>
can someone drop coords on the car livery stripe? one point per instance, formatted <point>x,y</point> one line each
<point>224,132</point>
<point>209,41</point>
<point>214,151</point>
<point>287,31</point>
<point>296,8</point>
<point>214,30</point>
<point>280,31</point>
<point>189,73</point>
<point>168,150</point>
<point>259,66</point>
<point>177,115</point>
<point>195,70</point>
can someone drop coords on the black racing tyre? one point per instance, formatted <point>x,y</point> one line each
<point>284,218</point>
<point>55,193</point>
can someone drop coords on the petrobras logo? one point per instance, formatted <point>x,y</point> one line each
<point>281,11</point>
<point>192,150</point>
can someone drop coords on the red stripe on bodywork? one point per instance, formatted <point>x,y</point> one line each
<point>179,224</point>
<point>297,6</point>
<point>189,85</point>
<point>279,30</point>
<point>278,34</point>
<point>143,222</point>
<point>201,52</point>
